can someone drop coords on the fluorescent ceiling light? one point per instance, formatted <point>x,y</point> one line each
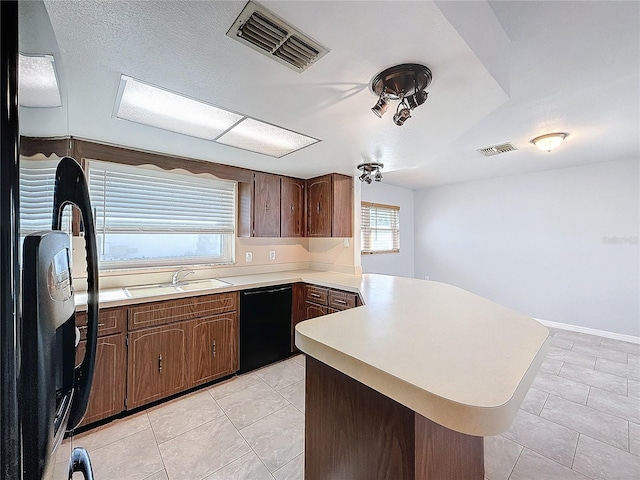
<point>143,103</point>
<point>261,137</point>
<point>37,82</point>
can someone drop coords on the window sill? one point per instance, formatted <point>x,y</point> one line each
<point>379,252</point>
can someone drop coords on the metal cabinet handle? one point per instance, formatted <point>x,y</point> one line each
<point>292,208</point>
<point>314,295</point>
<point>160,363</point>
<point>266,206</point>
<point>341,302</point>
<point>213,348</point>
<point>318,207</point>
<point>84,327</point>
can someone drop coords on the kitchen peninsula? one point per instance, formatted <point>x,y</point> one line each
<point>405,386</point>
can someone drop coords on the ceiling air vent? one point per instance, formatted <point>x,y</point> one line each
<point>497,149</point>
<point>268,34</point>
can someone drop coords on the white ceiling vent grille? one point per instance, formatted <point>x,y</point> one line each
<point>268,34</point>
<point>497,149</point>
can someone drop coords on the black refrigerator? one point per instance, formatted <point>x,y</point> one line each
<point>44,390</point>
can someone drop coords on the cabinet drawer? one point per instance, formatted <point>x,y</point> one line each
<point>110,321</point>
<point>317,294</point>
<point>169,311</point>
<point>341,300</point>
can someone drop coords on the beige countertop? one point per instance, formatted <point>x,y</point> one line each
<point>452,356</point>
<point>115,297</point>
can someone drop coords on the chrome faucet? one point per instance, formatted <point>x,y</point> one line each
<point>175,280</point>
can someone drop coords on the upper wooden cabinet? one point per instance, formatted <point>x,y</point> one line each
<point>275,206</point>
<point>266,205</point>
<point>292,207</point>
<point>330,206</point>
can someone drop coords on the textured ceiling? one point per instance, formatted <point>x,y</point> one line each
<point>503,71</point>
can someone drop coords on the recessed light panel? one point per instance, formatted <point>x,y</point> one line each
<point>156,107</point>
<point>261,137</point>
<point>37,82</point>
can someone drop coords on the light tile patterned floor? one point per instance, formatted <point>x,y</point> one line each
<point>580,420</point>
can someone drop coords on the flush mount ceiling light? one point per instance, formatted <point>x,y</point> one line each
<point>405,83</point>
<point>150,105</point>
<point>370,172</point>
<point>37,81</point>
<point>549,141</point>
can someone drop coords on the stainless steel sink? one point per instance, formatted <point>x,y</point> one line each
<point>165,289</point>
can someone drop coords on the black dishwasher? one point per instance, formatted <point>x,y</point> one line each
<point>265,326</point>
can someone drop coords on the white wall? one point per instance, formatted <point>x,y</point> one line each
<point>559,245</point>
<point>400,264</point>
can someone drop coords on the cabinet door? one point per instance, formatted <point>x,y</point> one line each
<point>266,206</point>
<point>319,206</point>
<point>107,391</point>
<point>297,311</point>
<point>342,205</point>
<point>213,348</point>
<point>292,206</point>
<point>313,310</point>
<point>157,363</point>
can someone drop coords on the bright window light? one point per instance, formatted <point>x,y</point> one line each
<point>149,105</point>
<point>37,82</point>
<point>265,138</point>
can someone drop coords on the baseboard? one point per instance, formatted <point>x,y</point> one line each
<point>591,331</point>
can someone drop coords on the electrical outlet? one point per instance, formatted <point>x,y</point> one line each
<point>426,277</point>
<point>345,242</point>
<point>272,254</point>
<point>248,257</point>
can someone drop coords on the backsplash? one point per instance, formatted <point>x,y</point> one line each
<point>328,254</point>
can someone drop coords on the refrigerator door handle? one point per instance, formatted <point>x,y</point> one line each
<point>71,189</point>
<point>80,462</point>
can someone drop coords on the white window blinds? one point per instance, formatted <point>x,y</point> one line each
<point>380,229</point>
<point>134,200</point>
<point>37,183</point>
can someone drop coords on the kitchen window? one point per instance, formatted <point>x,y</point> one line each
<point>151,217</point>
<point>380,228</point>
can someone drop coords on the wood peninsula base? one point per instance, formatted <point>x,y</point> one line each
<point>354,432</point>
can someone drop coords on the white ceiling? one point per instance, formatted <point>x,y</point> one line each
<point>504,71</point>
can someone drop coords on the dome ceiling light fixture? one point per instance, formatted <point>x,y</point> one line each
<point>370,172</point>
<point>549,141</point>
<point>406,83</point>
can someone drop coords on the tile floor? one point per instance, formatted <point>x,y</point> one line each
<point>580,420</point>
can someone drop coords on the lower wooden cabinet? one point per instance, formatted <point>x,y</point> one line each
<point>314,310</point>
<point>213,348</point>
<point>323,300</point>
<point>108,387</point>
<point>153,350</point>
<point>157,365</point>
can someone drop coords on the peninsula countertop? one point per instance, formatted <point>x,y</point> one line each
<point>454,357</point>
